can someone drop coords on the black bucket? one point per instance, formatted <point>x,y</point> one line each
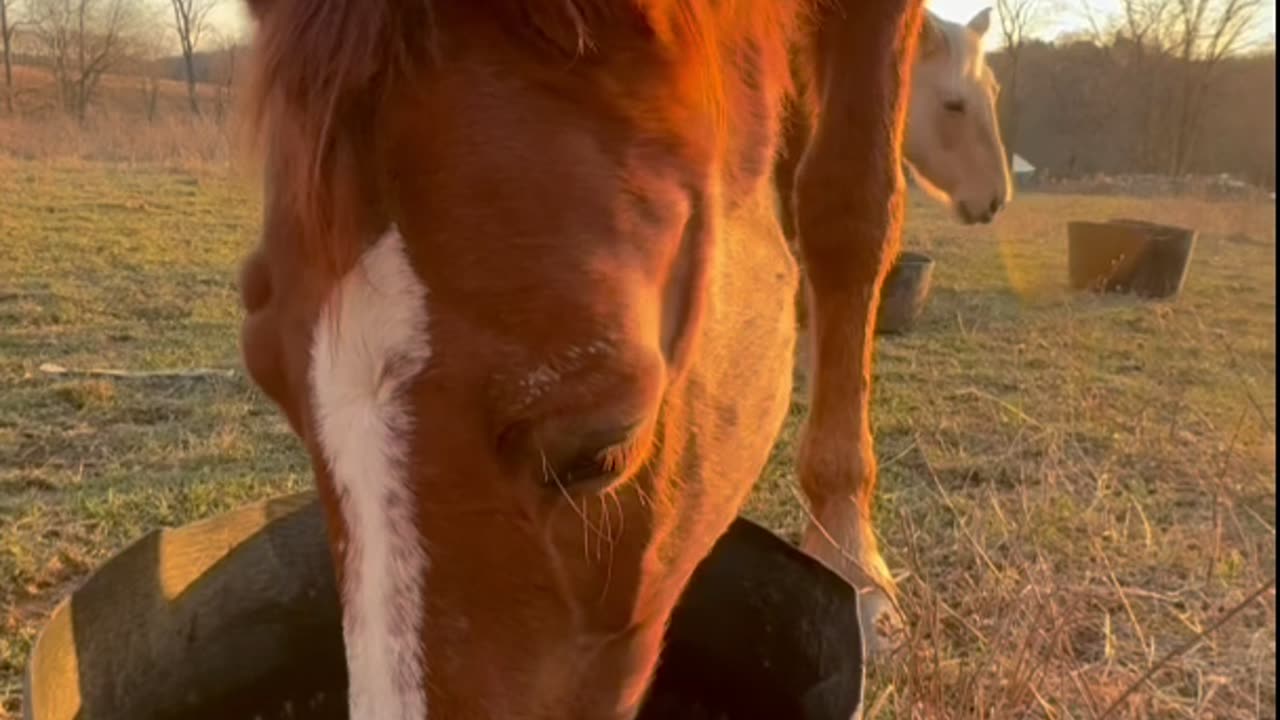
<point>237,617</point>
<point>1129,256</point>
<point>904,292</point>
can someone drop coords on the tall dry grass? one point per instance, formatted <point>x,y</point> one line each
<point>124,125</point>
<point>175,141</point>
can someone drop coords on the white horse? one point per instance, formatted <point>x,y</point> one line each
<point>953,136</point>
<point>952,141</point>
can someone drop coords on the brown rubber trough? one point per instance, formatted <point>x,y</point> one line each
<point>237,618</point>
<point>904,293</point>
<point>1129,256</point>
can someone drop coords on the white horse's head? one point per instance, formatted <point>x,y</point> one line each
<point>953,136</point>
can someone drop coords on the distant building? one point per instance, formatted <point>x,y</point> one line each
<point>1021,168</point>
<point>1024,173</point>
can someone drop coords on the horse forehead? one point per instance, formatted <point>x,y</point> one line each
<point>966,52</point>
<point>531,382</point>
<point>964,69</point>
<point>973,52</point>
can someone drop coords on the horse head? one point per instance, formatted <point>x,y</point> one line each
<point>953,133</point>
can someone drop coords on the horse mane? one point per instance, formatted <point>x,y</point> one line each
<point>316,70</point>
<point>322,69</point>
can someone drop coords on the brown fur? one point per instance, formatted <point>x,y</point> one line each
<point>573,174</point>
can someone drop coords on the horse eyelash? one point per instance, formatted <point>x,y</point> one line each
<point>603,461</point>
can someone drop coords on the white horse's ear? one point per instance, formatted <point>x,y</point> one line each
<point>932,38</point>
<point>981,22</point>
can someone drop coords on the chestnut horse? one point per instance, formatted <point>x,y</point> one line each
<point>522,293</point>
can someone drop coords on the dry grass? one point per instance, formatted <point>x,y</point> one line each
<point>1075,486</point>
<point>173,141</point>
<point>117,129</point>
<point>1072,486</point>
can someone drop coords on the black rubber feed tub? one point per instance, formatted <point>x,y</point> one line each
<point>904,293</point>
<point>1129,256</point>
<point>236,617</point>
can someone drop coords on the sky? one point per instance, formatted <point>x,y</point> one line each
<point>230,14</point>
<point>1073,17</point>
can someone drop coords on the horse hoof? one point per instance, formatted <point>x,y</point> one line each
<point>883,629</point>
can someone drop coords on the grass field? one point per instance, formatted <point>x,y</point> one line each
<point>1072,487</point>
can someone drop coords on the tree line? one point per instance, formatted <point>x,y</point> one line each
<point>81,41</point>
<point>1166,87</point>
<point>1160,86</point>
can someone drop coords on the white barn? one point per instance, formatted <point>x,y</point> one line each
<point>1021,167</point>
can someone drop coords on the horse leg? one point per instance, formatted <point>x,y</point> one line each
<point>795,135</point>
<point>849,197</point>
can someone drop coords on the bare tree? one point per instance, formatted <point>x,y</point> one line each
<point>1019,21</point>
<point>224,72</point>
<point>82,40</point>
<point>1208,31</point>
<point>191,20</point>
<point>7,26</point>
<point>147,64</point>
<point>1145,28</point>
<point>1169,52</point>
<point>1066,120</point>
<point>1109,100</point>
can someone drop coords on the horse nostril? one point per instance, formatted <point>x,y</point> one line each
<point>996,204</point>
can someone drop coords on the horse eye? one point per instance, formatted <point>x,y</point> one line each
<point>954,106</point>
<point>593,468</point>
<point>593,459</point>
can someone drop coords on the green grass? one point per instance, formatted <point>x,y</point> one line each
<point>1071,485</point>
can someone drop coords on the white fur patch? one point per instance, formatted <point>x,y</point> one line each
<point>370,342</point>
<point>835,537</point>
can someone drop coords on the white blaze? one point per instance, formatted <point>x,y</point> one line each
<point>370,343</point>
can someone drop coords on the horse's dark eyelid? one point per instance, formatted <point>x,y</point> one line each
<point>603,462</point>
<point>955,106</point>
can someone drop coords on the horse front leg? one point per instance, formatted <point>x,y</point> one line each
<point>849,196</point>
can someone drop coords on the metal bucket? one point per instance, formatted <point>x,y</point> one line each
<point>904,292</point>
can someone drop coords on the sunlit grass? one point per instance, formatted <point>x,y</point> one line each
<point>1073,485</point>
